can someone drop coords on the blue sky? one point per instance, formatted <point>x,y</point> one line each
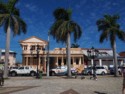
<point>38,14</point>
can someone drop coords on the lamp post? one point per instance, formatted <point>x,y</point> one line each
<point>92,54</point>
<point>37,55</point>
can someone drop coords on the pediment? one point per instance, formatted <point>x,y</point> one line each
<point>33,39</point>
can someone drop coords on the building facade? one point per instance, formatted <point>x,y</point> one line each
<point>11,60</point>
<point>57,57</point>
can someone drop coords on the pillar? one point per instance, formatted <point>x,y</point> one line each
<point>56,61</point>
<point>62,63</point>
<point>26,61</point>
<point>80,61</point>
<point>92,62</point>
<point>100,62</point>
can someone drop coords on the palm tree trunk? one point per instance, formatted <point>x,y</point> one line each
<point>7,53</point>
<point>115,59</point>
<point>68,53</point>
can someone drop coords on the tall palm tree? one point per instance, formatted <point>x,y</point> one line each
<point>10,19</point>
<point>74,45</point>
<point>62,28</point>
<point>111,30</point>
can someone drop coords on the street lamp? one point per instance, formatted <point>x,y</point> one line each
<point>37,55</point>
<point>92,54</point>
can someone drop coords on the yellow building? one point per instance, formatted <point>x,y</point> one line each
<point>57,56</point>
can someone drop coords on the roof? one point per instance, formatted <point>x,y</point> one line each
<point>102,52</point>
<point>33,37</point>
<point>3,51</point>
<point>122,54</point>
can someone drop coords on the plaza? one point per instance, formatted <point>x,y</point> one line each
<point>55,85</point>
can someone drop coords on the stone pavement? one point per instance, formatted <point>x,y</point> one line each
<point>57,85</point>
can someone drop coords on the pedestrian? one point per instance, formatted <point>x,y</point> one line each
<point>123,75</point>
<point>94,73</point>
<point>1,78</point>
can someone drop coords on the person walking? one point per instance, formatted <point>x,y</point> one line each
<point>1,78</point>
<point>94,73</point>
<point>123,75</point>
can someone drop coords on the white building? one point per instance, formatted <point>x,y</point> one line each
<point>12,57</point>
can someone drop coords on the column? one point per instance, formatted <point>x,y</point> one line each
<point>100,62</point>
<point>121,63</point>
<point>80,61</point>
<point>62,63</point>
<point>91,62</point>
<point>44,64</point>
<point>56,61</point>
<point>26,61</point>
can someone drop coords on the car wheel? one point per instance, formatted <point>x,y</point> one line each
<point>103,73</point>
<point>13,74</point>
<point>53,73</point>
<point>32,73</point>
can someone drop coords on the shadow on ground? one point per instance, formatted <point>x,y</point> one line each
<point>97,92</point>
<point>7,90</point>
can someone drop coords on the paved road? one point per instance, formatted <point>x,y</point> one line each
<point>56,85</point>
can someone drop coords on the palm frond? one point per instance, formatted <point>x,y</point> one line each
<point>6,24</point>
<point>121,35</point>
<point>61,13</point>
<point>11,5</point>
<point>14,26</point>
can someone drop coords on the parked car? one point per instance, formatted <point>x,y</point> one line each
<point>62,70</point>
<point>99,70</point>
<point>87,71</point>
<point>112,70</point>
<point>25,70</point>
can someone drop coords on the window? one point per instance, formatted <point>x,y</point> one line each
<point>21,68</point>
<point>25,47</point>
<point>26,67</point>
<point>33,47</point>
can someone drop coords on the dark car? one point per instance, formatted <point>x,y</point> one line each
<point>112,70</point>
<point>87,71</point>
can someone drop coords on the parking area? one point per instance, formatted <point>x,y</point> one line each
<point>55,85</point>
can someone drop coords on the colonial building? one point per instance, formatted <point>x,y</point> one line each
<point>12,57</point>
<point>31,56</point>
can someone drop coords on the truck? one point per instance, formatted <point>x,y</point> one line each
<point>24,70</point>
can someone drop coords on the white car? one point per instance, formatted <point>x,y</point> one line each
<point>99,70</point>
<point>25,70</point>
<point>62,70</point>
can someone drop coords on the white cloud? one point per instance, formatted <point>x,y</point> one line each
<point>31,7</point>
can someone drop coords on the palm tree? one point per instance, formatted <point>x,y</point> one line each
<point>74,45</point>
<point>111,30</point>
<point>10,19</point>
<point>62,28</point>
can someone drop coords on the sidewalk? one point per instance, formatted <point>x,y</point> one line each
<point>56,85</point>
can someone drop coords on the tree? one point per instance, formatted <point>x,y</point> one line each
<point>62,28</point>
<point>74,45</point>
<point>111,30</point>
<point>11,21</point>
